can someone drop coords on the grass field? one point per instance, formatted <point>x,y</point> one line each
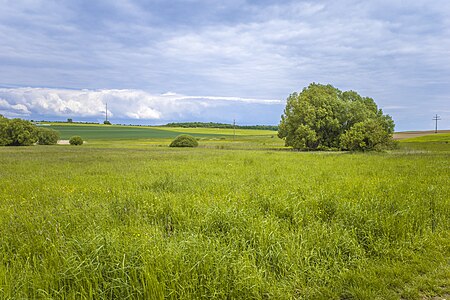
<point>114,132</point>
<point>431,138</point>
<point>135,219</point>
<point>431,142</point>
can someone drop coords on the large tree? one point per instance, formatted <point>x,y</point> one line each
<point>323,117</point>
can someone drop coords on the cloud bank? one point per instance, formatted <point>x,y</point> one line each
<point>124,104</point>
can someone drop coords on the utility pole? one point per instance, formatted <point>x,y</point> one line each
<point>234,129</point>
<point>436,118</point>
<point>106,112</point>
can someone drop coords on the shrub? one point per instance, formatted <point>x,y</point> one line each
<point>364,136</point>
<point>76,140</point>
<point>47,136</point>
<point>17,132</point>
<point>184,140</point>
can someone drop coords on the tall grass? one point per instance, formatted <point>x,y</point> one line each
<point>151,223</point>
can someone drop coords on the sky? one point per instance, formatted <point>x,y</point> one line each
<point>162,61</point>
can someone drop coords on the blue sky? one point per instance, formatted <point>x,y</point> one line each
<point>191,60</point>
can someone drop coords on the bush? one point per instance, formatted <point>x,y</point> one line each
<point>76,140</point>
<point>107,122</point>
<point>17,132</point>
<point>184,140</point>
<point>47,136</point>
<point>366,136</point>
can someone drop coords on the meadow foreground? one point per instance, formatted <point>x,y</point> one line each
<point>104,221</point>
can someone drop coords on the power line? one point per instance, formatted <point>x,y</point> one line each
<point>436,118</point>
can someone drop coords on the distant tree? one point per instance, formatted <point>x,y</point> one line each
<point>184,140</point>
<point>76,140</point>
<point>17,132</point>
<point>69,120</point>
<point>47,136</point>
<point>220,125</point>
<point>107,122</point>
<point>323,117</point>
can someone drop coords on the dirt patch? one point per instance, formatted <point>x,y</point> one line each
<point>66,142</point>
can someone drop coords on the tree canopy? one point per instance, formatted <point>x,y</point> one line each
<point>322,117</point>
<point>17,132</point>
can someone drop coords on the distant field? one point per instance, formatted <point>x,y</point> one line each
<point>104,132</point>
<point>431,142</point>
<point>435,137</point>
<point>413,134</point>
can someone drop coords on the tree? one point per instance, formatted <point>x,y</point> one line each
<point>47,136</point>
<point>184,140</point>
<point>320,115</point>
<point>17,132</point>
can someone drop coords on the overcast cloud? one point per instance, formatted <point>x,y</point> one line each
<point>149,59</point>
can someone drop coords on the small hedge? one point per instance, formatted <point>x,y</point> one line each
<point>184,140</point>
<point>47,136</point>
<point>76,140</point>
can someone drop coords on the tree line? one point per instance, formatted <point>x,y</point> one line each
<point>220,125</point>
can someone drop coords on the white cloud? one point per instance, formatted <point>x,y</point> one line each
<point>144,113</point>
<point>122,104</point>
<point>13,109</point>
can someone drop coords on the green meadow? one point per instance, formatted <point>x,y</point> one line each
<point>126,217</point>
<point>115,132</point>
